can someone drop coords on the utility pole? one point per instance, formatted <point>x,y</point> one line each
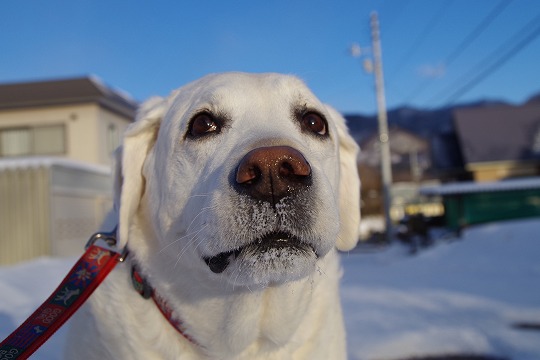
<point>386,164</point>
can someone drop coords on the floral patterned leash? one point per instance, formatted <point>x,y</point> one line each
<point>100,258</point>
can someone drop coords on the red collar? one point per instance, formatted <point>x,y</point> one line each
<point>146,291</point>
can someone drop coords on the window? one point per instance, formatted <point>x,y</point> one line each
<point>39,140</point>
<point>15,142</point>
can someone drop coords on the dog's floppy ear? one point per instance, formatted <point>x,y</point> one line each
<point>129,182</point>
<point>349,185</point>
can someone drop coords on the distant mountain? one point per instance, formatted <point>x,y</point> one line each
<point>424,123</point>
<point>534,99</point>
<point>435,125</point>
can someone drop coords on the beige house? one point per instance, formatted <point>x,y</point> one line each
<point>57,140</point>
<point>80,119</point>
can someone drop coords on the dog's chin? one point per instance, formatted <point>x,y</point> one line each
<point>274,259</point>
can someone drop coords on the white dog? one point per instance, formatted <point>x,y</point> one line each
<point>233,195</point>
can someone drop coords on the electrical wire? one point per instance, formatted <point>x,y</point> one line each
<point>463,45</point>
<point>508,50</point>
<point>473,35</point>
<point>421,38</point>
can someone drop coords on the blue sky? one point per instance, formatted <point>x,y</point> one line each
<point>151,47</point>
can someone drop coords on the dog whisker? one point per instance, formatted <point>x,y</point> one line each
<point>321,271</point>
<point>200,212</point>
<point>191,241</point>
<point>182,237</point>
<point>198,195</point>
<point>235,282</point>
<point>235,279</point>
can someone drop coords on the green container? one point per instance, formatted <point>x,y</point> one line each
<point>482,207</point>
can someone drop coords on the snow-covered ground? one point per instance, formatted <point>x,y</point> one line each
<point>462,296</point>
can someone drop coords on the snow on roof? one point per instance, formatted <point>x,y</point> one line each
<point>106,89</point>
<point>49,161</point>
<point>475,187</point>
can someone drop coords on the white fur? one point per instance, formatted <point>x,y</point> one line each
<point>176,206</point>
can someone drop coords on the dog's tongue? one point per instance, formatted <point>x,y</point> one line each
<point>218,263</point>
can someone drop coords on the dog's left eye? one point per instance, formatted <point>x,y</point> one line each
<point>315,123</point>
<point>203,124</point>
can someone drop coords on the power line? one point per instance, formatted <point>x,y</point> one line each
<point>481,71</point>
<point>421,37</point>
<point>465,43</point>
<point>473,35</point>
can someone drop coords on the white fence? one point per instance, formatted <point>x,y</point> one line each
<point>50,206</point>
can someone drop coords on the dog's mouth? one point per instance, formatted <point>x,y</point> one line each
<point>276,243</point>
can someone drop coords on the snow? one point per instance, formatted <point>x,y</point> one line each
<point>462,296</point>
<point>23,288</point>
<point>32,162</point>
<point>464,187</point>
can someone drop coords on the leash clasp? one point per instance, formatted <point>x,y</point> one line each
<point>107,240</point>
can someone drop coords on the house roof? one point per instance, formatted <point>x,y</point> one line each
<point>401,141</point>
<point>499,133</point>
<point>66,91</point>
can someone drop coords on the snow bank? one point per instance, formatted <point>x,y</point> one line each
<point>23,288</point>
<point>457,297</point>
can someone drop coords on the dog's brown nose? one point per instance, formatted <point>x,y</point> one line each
<point>272,173</point>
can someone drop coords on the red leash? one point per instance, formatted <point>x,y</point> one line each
<point>91,269</point>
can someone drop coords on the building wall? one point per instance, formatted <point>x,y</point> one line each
<point>111,128</point>
<point>83,135</point>
<point>87,128</point>
<point>502,170</point>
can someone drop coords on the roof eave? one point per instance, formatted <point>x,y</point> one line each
<point>120,109</point>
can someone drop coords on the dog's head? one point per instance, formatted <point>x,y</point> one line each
<point>239,176</point>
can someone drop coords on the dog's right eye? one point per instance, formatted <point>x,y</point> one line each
<point>203,124</point>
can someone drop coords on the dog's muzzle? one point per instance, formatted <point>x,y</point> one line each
<point>269,175</point>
